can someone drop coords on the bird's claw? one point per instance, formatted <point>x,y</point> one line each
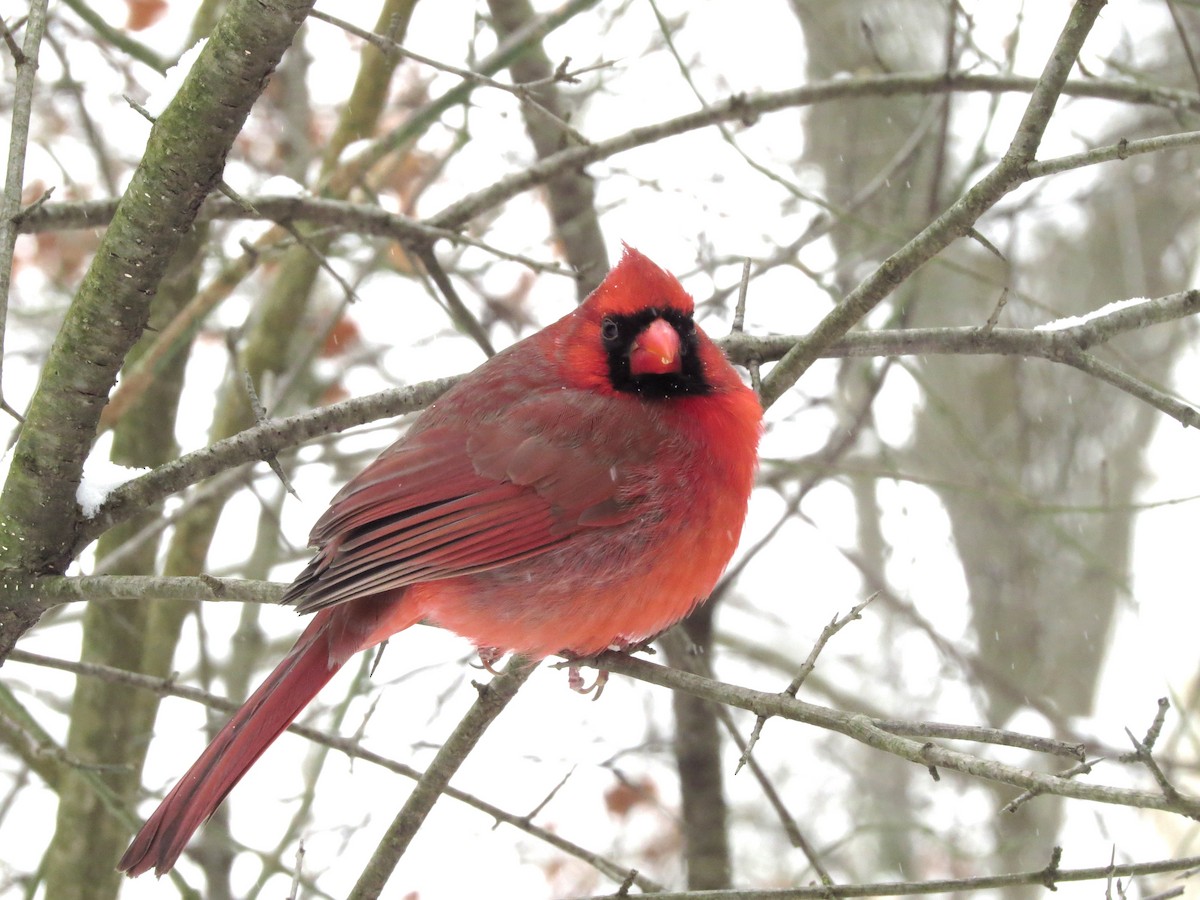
<point>596,688</point>
<point>575,682</point>
<point>488,657</point>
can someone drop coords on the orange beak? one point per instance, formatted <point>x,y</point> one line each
<point>656,350</point>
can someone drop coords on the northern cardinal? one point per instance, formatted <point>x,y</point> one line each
<point>584,488</point>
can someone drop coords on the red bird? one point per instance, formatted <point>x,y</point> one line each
<point>582,489</point>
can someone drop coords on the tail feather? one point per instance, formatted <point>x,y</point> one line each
<point>308,667</point>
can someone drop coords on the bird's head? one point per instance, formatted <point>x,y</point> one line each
<point>636,334</point>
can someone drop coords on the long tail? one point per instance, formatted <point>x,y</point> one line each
<point>333,636</point>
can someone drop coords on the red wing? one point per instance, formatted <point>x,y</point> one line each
<point>442,503</point>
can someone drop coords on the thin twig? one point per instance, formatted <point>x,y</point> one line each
<point>1181,32</point>
<point>790,826</point>
<point>294,893</point>
<point>938,886</point>
<point>739,312</point>
<point>956,221</point>
<point>169,687</point>
<point>1083,768</point>
<point>1064,346</point>
<point>805,670</point>
<point>1153,732</point>
<point>9,41</point>
<point>248,210</point>
<point>739,322</point>
<point>866,730</point>
<point>1146,758</point>
<point>997,736</point>
<point>493,698</point>
<point>260,417</point>
<point>339,215</point>
<point>523,91</point>
<point>727,135</point>
<point>826,633</point>
<point>459,314</point>
<point>14,175</point>
<point>994,319</point>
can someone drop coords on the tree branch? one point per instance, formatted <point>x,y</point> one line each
<point>39,518</point>
<point>1063,346</point>
<point>747,107</point>
<point>869,731</point>
<point>1047,877</point>
<point>168,687</point>
<point>14,176</point>
<point>956,221</point>
<point>493,698</point>
<point>255,444</point>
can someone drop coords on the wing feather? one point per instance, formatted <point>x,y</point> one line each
<point>448,501</point>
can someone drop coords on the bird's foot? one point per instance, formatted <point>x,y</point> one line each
<point>488,656</point>
<point>596,688</point>
<point>575,682</point>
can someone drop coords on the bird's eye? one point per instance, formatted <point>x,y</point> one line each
<point>687,331</point>
<point>608,329</point>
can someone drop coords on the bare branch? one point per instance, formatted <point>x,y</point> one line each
<point>956,221</point>
<point>493,698</point>
<point>1065,346</point>
<point>14,176</point>
<point>942,885</point>
<point>168,687</point>
<point>55,590</point>
<point>253,445</point>
<point>868,731</point>
<point>183,162</point>
<point>740,106</point>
